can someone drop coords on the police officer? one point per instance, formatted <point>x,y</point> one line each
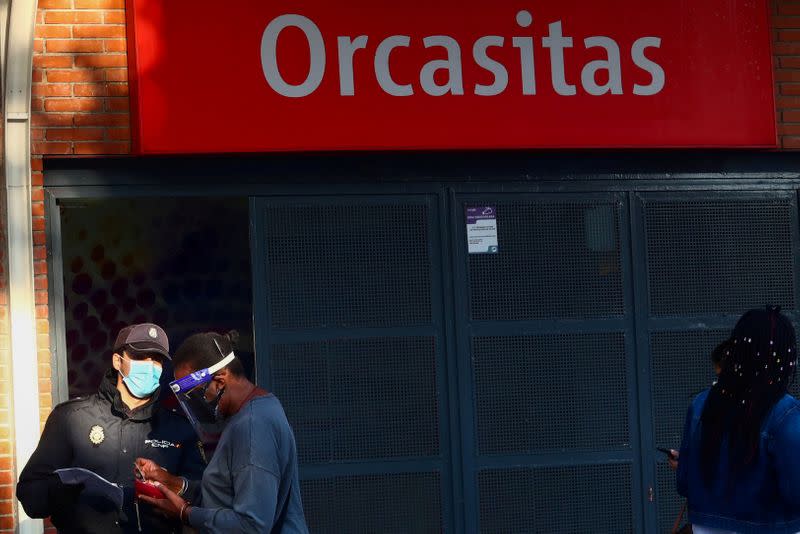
<point>104,433</point>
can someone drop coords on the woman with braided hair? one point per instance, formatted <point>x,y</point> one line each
<point>740,456</point>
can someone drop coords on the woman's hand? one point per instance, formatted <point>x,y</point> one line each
<point>171,505</point>
<point>154,472</point>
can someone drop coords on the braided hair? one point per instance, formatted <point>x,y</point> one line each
<point>759,365</point>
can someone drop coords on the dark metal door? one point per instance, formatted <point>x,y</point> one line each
<point>703,258</point>
<point>350,335</point>
<point>522,391</point>
<point>547,366</point>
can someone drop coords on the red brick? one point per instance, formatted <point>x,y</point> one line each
<point>783,102</point>
<point>37,104</point>
<point>7,522</point>
<point>789,129</point>
<point>785,8</point>
<point>75,75</point>
<point>786,75</point>
<point>118,89</point>
<point>789,62</point>
<point>52,61</point>
<point>100,30</point>
<point>37,134</point>
<point>37,76</point>
<point>39,238</point>
<point>789,88</point>
<point>783,21</point>
<point>102,148</point>
<point>6,492</point>
<point>45,147</point>
<point>73,104</point>
<point>115,45</point>
<point>99,4</point>
<point>40,268</point>
<point>118,134</point>
<point>787,36</point>
<point>90,89</point>
<point>51,31</point>
<point>54,4</point>
<point>51,119</point>
<point>37,164</point>
<point>51,89</point>
<point>73,17</point>
<point>102,119</point>
<point>40,283</point>
<point>786,49</point>
<point>40,297</point>
<point>116,75</point>
<point>38,45</point>
<point>41,311</point>
<point>38,222</point>
<point>114,17</point>
<point>75,134</point>
<point>117,104</point>
<point>101,60</point>
<point>790,142</point>
<point>74,45</point>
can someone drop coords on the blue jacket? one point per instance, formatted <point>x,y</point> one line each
<point>763,498</point>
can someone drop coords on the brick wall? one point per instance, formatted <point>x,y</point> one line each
<point>80,89</point>
<point>786,48</point>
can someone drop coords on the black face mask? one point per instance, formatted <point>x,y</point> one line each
<point>204,415</point>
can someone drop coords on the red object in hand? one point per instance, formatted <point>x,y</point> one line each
<point>143,488</point>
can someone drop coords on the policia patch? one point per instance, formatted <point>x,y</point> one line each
<point>97,435</point>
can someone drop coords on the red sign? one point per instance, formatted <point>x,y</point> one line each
<point>279,75</point>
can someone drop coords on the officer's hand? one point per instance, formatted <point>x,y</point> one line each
<point>154,472</point>
<point>63,495</point>
<point>171,505</point>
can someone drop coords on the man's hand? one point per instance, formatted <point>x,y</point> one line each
<point>171,505</point>
<point>154,472</point>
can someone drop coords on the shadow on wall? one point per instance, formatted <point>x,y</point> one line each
<point>181,263</point>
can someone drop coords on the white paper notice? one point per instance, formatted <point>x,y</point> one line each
<point>482,230</point>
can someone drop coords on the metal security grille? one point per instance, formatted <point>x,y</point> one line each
<point>356,356</point>
<point>386,504</point>
<point>681,368</point>
<point>586,499</point>
<point>550,392</point>
<point>359,398</point>
<point>709,257</point>
<point>669,502</point>
<point>348,266</point>
<point>715,256</point>
<point>558,259</point>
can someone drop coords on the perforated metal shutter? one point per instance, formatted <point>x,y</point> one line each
<point>709,256</point>
<point>355,356</point>
<point>550,367</point>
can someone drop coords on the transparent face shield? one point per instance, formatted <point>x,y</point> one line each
<point>192,394</point>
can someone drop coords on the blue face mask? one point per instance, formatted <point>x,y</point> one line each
<point>142,379</point>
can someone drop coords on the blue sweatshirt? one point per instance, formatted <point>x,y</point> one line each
<point>251,483</point>
<point>764,498</point>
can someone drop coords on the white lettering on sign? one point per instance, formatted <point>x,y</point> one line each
<point>450,62</point>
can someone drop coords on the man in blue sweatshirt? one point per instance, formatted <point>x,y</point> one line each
<point>251,483</point>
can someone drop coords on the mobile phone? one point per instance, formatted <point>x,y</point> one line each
<point>667,452</point>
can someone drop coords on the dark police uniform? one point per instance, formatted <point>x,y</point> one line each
<point>101,434</point>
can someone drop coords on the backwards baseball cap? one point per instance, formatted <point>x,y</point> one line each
<point>143,338</point>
